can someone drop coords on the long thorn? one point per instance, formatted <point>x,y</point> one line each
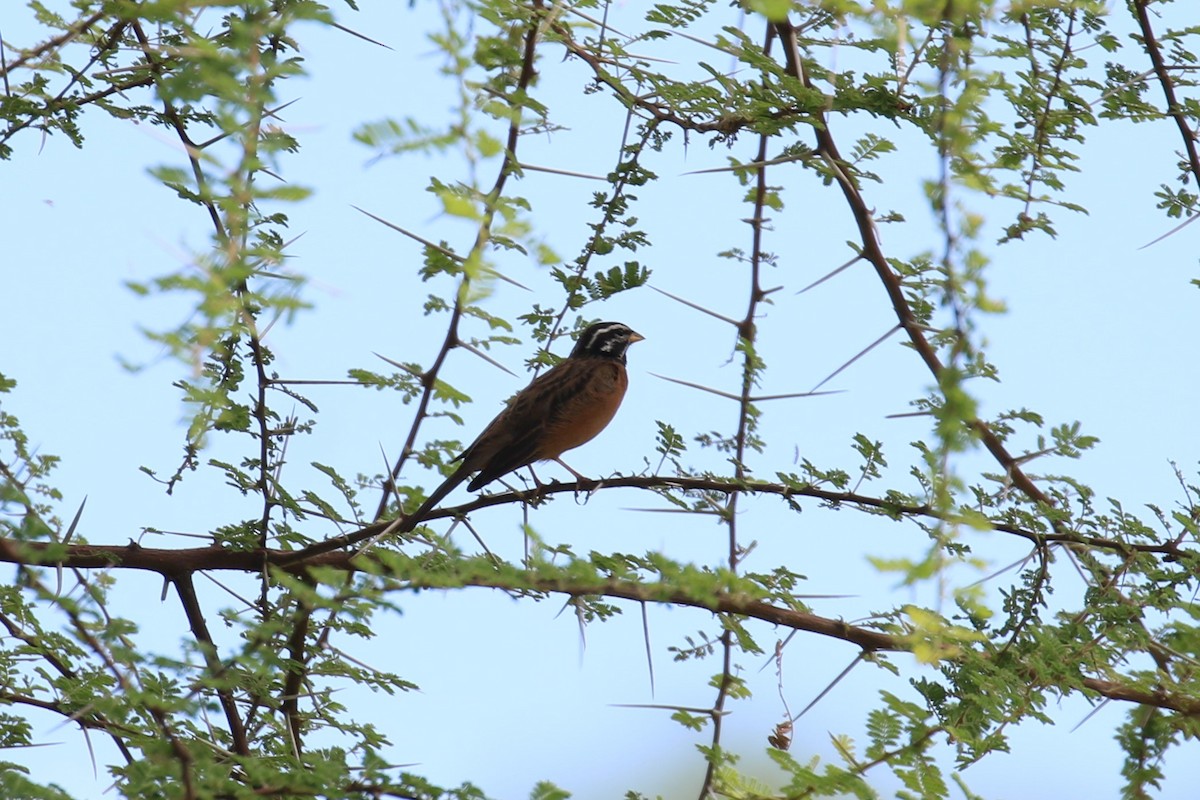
<point>486,357</point>
<point>398,365</point>
<point>649,651</point>
<point>566,172</point>
<point>437,247</point>
<point>770,162</point>
<point>344,29</point>
<point>828,688</point>
<point>821,280</point>
<point>859,355</point>
<point>1173,231</point>
<point>701,387</point>
<point>699,308</point>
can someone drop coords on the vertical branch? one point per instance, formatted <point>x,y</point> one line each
<point>1162,72</point>
<point>948,377</point>
<point>1041,135</point>
<point>233,222</point>
<point>186,590</point>
<point>159,69</point>
<point>237,246</point>
<point>508,166</point>
<point>827,149</point>
<point>745,425</point>
<point>942,200</point>
<point>296,670</point>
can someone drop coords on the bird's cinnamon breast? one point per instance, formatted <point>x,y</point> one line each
<point>590,408</point>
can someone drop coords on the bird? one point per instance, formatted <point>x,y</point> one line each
<point>560,410</point>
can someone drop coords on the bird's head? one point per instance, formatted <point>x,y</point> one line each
<point>606,340</point>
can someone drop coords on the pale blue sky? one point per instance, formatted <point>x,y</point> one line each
<point>1098,330</point>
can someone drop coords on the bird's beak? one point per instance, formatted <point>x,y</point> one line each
<point>634,336</point>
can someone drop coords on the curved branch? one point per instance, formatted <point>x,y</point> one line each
<point>47,48</point>
<point>170,562</point>
<point>873,252</point>
<point>186,590</point>
<point>721,602</point>
<point>1174,108</point>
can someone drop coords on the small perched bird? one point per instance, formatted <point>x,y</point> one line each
<point>557,412</point>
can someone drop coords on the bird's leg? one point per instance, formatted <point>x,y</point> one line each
<point>567,467</point>
<point>579,478</point>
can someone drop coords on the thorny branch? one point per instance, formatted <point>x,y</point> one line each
<point>87,718</point>
<point>222,558</point>
<point>186,590</point>
<point>1174,108</point>
<point>747,336</point>
<point>55,43</point>
<point>508,166</point>
<point>1041,132</point>
<point>864,220</point>
<point>105,46</point>
<point>182,561</point>
<point>159,69</point>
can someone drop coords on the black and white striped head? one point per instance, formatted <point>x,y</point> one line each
<point>606,340</point>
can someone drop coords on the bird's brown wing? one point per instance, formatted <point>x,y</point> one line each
<point>528,430</point>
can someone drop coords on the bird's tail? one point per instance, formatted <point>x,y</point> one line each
<point>411,521</point>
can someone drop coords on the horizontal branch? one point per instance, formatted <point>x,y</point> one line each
<point>1130,694</point>
<point>171,562</point>
<point>176,562</point>
<point>717,602</point>
<point>787,491</point>
<point>85,717</point>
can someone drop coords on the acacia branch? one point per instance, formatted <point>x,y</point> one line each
<point>860,209</point>
<point>104,46</point>
<point>73,32</point>
<point>747,333</point>
<point>719,601</point>
<point>169,562</point>
<point>508,166</point>
<point>1042,120</point>
<point>297,668</point>
<point>1162,72</point>
<point>186,590</point>
<point>84,718</point>
<point>159,67</point>
<point>873,252</point>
